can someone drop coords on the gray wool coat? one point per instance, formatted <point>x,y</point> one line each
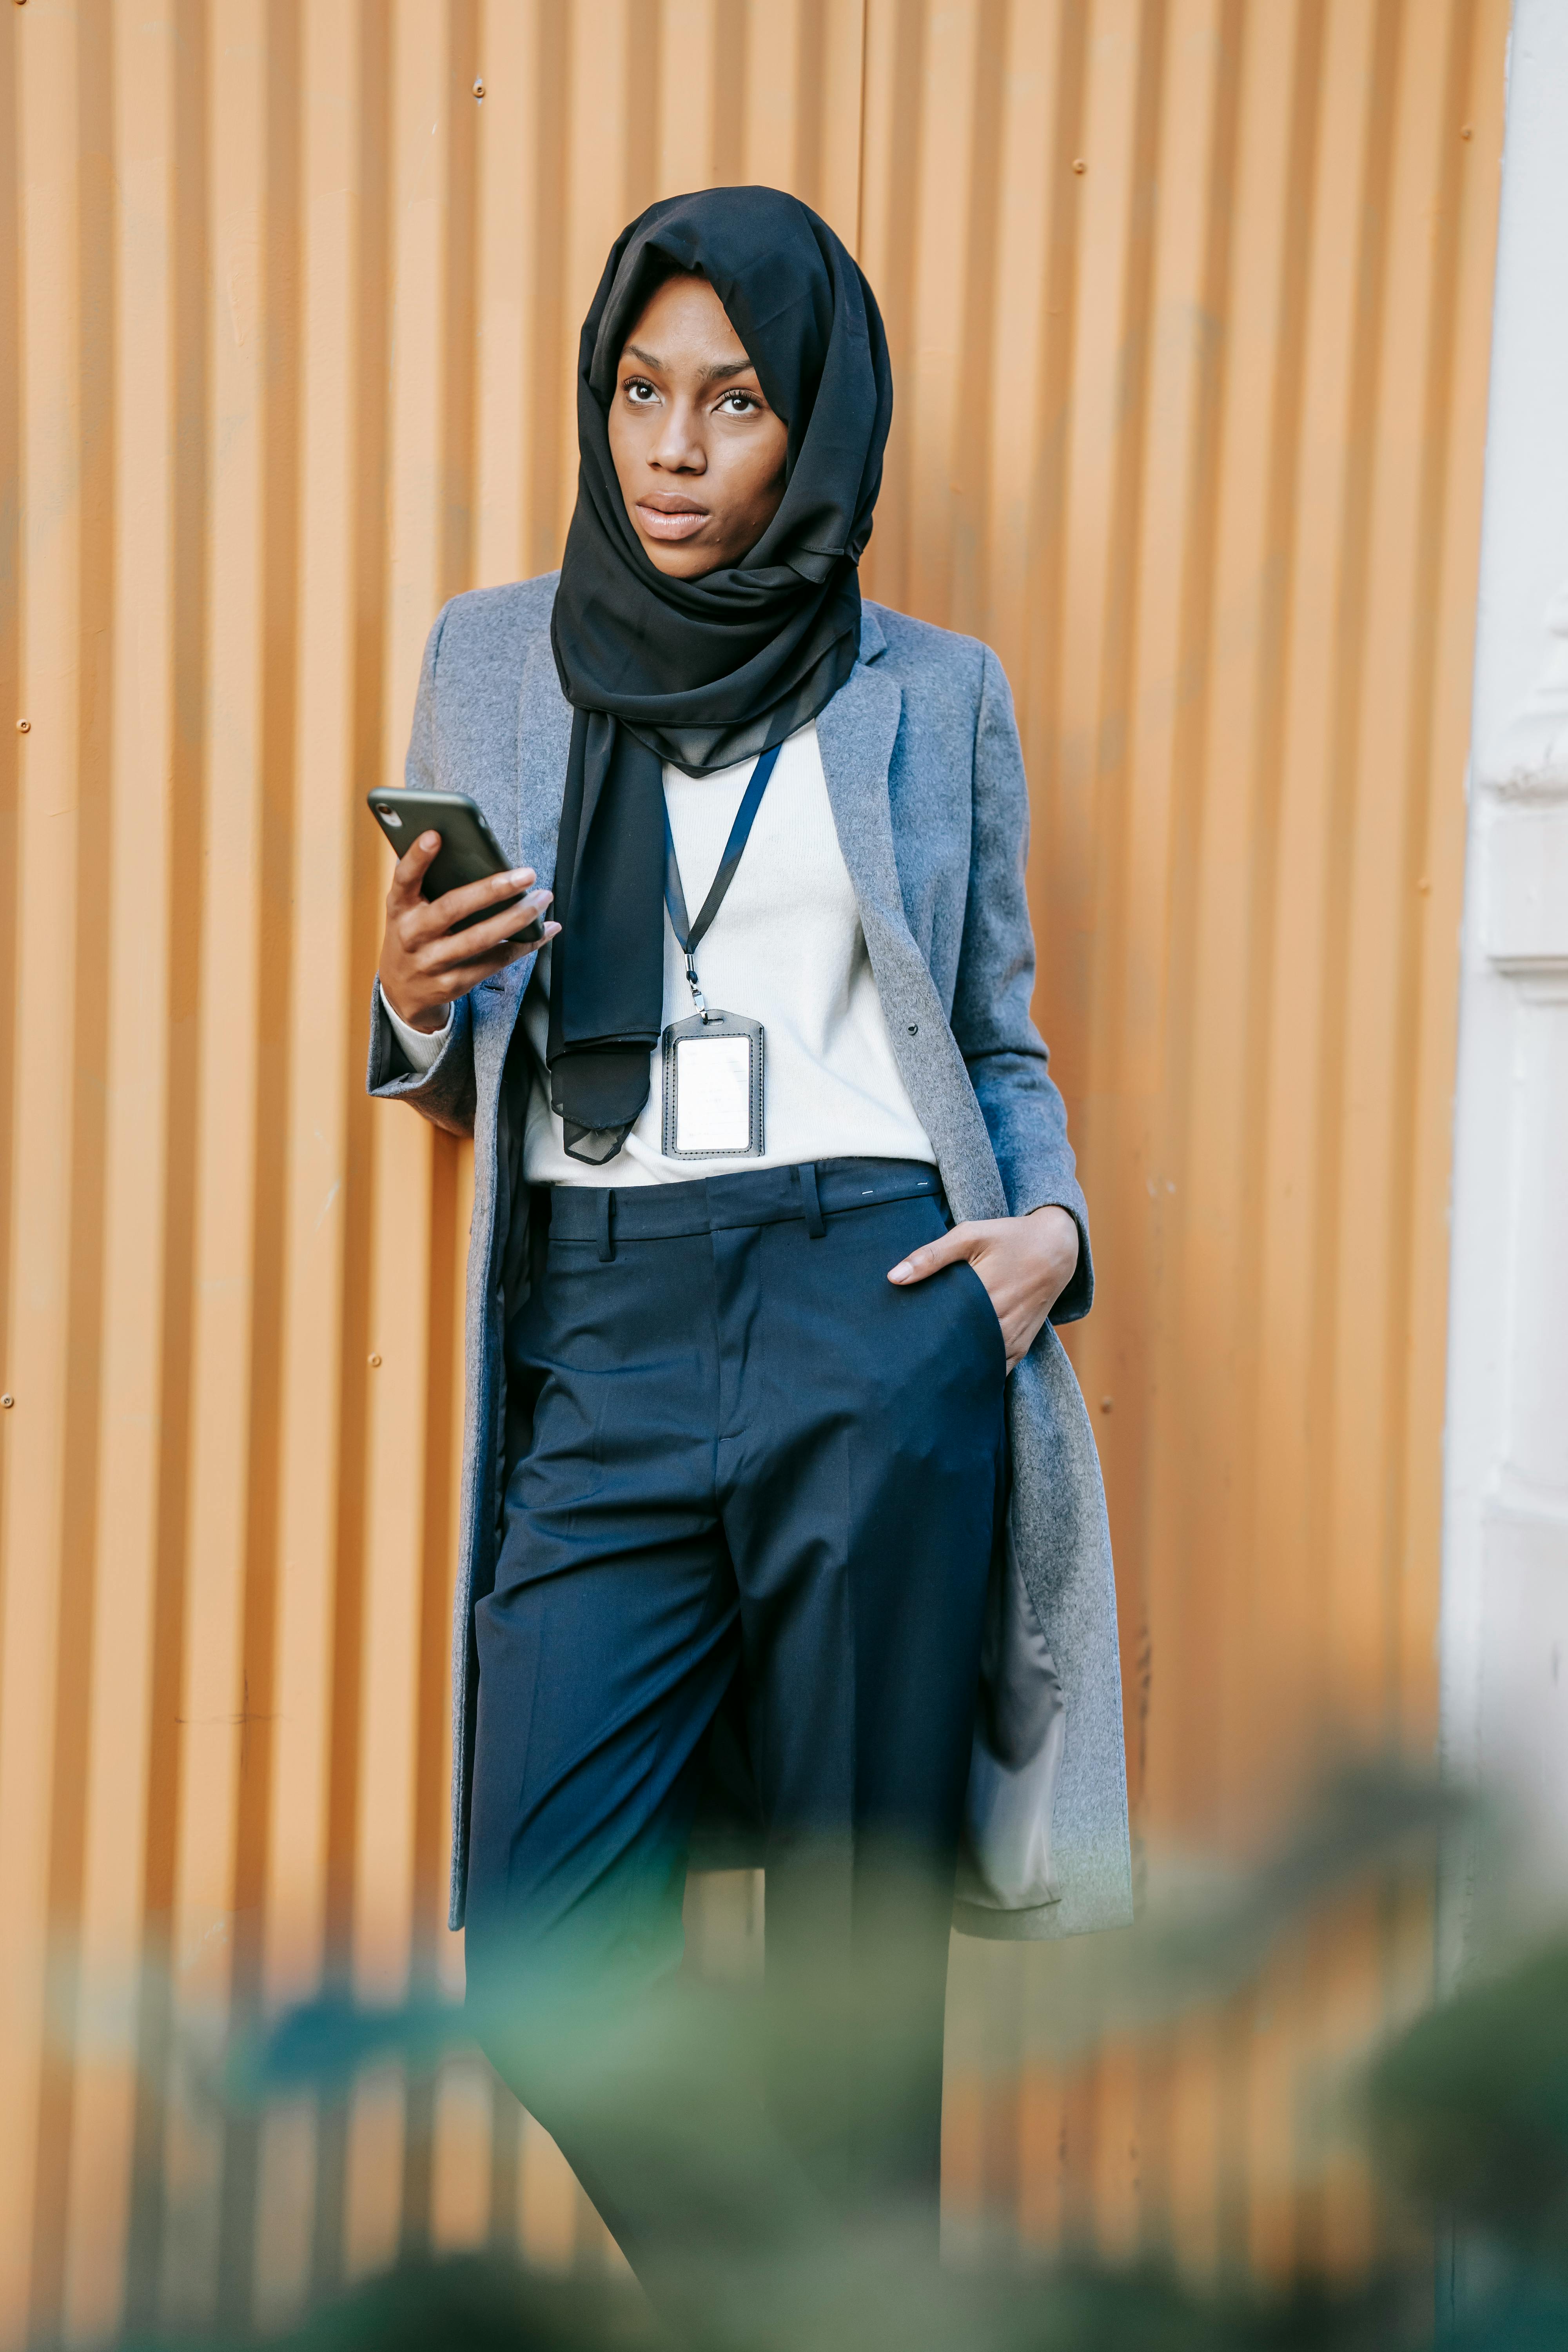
<point>926,782</point>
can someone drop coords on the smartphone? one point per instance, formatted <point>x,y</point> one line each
<point>469,852</point>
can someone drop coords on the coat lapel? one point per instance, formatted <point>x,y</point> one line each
<point>531,797</point>
<point>544,740</point>
<point>855,735</point>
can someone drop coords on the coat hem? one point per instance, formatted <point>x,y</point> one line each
<point>1032,1924</point>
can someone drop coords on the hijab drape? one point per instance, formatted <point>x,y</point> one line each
<point>701,672</point>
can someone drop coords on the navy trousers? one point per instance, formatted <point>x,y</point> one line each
<point>748,1456</point>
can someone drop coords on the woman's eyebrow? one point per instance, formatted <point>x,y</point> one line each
<point>714,374</point>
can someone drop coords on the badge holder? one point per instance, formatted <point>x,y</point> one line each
<point>712,1063</point>
<point>714,1087</point>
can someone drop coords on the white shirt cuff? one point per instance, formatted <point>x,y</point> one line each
<point>421,1047</point>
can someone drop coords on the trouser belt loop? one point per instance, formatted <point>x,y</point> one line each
<point>606,1206</point>
<point>811,1205</point>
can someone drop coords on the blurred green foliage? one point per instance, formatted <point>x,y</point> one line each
<point>1466,2113</point>
<point>1470,2109</point>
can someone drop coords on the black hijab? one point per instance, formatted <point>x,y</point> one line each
<point>703,672</point>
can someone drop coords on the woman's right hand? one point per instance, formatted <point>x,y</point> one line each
<point>426,965</point>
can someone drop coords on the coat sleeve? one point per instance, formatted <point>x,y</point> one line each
<point>445,1092</point>
<point>1004,1053</point>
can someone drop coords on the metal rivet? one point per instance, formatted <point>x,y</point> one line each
<point>1105,1405</point>
<point>1467,131</point>
<point>914,1028</point>
<point>479,86</point>
<point>23,726</point>
<point>1424,886</point>
<point>1078,164</point>
<point>7,1401</point>
<point>373,1359</point>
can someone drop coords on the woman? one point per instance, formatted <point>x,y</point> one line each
<point>775,1470</point>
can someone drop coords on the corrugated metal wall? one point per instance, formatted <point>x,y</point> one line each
<point>1189,302</point>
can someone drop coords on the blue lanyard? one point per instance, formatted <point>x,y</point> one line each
<point>690,934</point>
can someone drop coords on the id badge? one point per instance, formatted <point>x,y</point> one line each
<point>713,1087</point>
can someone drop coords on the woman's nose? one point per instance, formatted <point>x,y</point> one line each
<point>677,447</point>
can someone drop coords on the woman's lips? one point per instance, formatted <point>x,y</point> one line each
<point>678,522</point>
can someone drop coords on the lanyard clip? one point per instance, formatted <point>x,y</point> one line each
<point>697,996</point>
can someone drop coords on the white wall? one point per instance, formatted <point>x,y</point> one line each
<point>1505,1592</point>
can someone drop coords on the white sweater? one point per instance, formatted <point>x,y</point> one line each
<point>785,948</point>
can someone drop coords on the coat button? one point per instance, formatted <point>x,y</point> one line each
<point>914,1028</point>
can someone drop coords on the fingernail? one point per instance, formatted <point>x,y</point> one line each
<point>519,874</point>
<point>429,840</point>
<point>901,1272</point>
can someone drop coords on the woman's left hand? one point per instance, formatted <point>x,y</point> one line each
<point>1025,1264</point>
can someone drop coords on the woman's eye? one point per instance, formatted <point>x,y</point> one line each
<point>638,391</point>
<point>738,404</point>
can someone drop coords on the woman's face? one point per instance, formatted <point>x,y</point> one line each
<point>699,453</point>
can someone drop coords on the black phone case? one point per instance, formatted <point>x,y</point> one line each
<point>469,852</point>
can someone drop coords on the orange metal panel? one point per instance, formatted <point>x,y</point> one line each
<point>1188,303</point>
